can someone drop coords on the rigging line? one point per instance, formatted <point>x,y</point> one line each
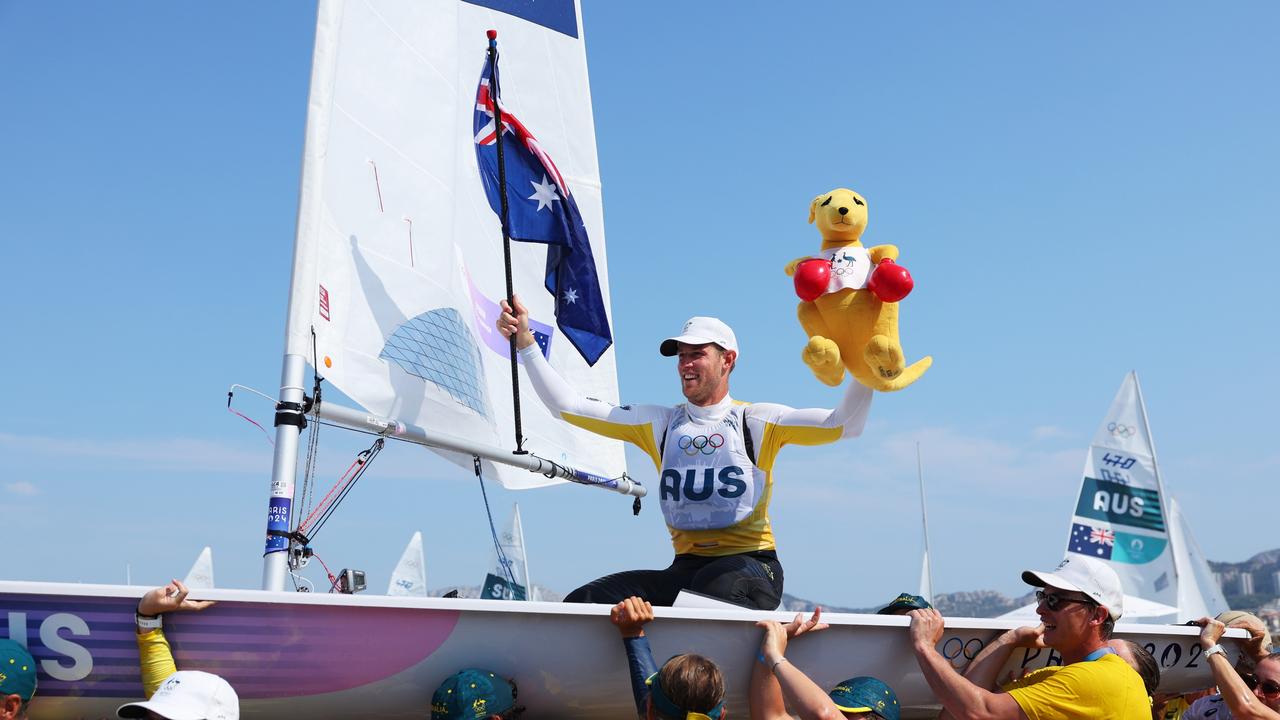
<point>333,580</point>
<point>363,465</point>
<point>313,440</point>
<point>253,422</point>
<point>324,502</point>
<point>503,561</point>
<point>309,469</point>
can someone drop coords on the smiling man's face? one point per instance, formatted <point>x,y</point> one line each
<point>704,372</point>
<point>1065,615</point>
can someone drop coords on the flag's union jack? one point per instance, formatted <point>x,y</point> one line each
<point>512,125</point>
<point>1106,537</point>
<point>1092,541</point>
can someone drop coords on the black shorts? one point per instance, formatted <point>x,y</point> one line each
<point>752,580</point>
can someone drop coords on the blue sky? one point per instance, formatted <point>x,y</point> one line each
<point>1079,190</point>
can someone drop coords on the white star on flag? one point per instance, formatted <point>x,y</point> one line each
<point>544,193</point>
<point>571,296</point>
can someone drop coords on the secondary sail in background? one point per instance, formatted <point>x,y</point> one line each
<point>398,264</point>
<point>1121,515</point>
<point>508,576</point>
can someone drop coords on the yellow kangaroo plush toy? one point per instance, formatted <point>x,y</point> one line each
<point>849,327</point>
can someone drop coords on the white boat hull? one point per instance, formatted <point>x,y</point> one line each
<point>297,655</point>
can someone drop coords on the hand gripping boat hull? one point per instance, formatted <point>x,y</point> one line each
<point>292,655</point>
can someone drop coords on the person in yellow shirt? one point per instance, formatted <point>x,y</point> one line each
<point>1079,603</point>
<point>714,457</point>
<point>174,693</point>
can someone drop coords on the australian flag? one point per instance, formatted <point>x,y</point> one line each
<point>1091,541</point>
<point>540,209</point>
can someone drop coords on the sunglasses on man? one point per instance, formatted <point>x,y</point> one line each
<point>1054,601</point>
<point>1269,688</point>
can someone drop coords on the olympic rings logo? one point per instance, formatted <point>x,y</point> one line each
<point>700,444</point>
<point>1124,431</point>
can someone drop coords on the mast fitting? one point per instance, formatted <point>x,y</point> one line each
<point>292,413</point>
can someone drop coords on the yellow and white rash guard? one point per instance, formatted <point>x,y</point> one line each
<point>714,498</point>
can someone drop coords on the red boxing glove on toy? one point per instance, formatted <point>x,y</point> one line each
<point>890,282</point>
<point>811,278</point>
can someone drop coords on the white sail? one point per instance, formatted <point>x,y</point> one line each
<point>1198,592</point>
<point>926,572</point>
<point>398,260</point>
<point>410,575</point>
<point>508,576</point>
<point>1121,516</point>
<point>926,581</point>
<point>200,576</point>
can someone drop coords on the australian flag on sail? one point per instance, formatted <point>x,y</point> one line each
<point>1088,540</point>
<point>540,209</point>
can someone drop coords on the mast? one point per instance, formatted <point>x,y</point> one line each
<point>1155,468</point>
<point>284,465</point>
<point>290,416</point>
<point>926,570</point>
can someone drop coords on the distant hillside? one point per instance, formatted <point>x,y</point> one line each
<point>978,603</point>
<point>1254,583</point>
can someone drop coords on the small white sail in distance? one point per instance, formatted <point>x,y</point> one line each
<point>200,576</point>
<point>508,576</point>
<point>926,572</point>
<point>410,576</point>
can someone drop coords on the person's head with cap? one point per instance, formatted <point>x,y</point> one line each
<point>865,697</point>
<point>1258,645</point>
<point>707,351</point>
<point>1079,603</point>
<point>903,604</point>
<point>17,680</point>
<point>188,695</point>
<point>474,694</point>
<point>687,687</point>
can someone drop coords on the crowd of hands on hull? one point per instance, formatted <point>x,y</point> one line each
<point>778,688</point>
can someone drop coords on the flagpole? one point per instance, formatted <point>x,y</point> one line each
<point>506,232</point>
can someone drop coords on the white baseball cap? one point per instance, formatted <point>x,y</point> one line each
<point>700,331</point>
<point>189,695</point>
<point>1082,573</point>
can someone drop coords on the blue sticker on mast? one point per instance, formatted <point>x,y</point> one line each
<point>278,512</point>
<point>558,15</point>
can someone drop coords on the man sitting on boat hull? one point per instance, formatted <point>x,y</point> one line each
<point>714,458</point>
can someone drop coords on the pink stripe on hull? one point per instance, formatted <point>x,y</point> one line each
<point>311,649</point>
